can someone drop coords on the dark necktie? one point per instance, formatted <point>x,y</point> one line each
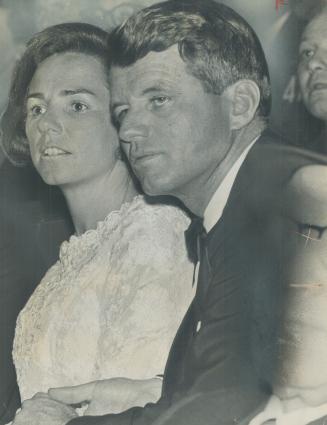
<point>194,237</point>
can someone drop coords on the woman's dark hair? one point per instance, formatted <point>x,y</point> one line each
<point>218,46</point>
<point>67,37</point>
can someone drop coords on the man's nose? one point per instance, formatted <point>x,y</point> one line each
<point>318,61</point>
<point>49,122</point>
<point>134,128</point>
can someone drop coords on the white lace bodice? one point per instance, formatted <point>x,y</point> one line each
<point>111,305</point>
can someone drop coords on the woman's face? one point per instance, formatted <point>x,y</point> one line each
<point>68,122</point>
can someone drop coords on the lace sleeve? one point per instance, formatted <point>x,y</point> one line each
<point>150,279</point>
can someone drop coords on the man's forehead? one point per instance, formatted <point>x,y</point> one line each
<point>166,66</point>
<point>316,26</point>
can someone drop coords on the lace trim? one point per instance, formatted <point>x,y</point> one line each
<point>81,249</point>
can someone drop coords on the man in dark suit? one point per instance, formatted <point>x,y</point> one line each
<point>190,95</point>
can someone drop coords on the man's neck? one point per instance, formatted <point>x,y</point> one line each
<point>199,193</point>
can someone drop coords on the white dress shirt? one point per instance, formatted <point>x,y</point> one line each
<point>215,208</point>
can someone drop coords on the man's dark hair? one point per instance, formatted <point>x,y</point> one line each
<point>68,37</point>
<point>218,46</point>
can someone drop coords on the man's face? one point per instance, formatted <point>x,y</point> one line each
<point>174,134</point>
<point>312,68</point>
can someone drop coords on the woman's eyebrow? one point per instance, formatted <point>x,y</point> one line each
<point>71,92</point>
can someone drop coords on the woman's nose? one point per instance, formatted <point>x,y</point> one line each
<point>49,122</point>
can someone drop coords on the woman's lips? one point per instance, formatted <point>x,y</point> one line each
<point>54,151</point>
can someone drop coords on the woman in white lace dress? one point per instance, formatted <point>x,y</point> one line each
<point>112,303</point>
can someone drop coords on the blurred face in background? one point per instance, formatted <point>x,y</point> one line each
<point>312,68</point>
<point>68,122</point>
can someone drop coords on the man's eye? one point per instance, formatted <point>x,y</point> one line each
<point>37,110</point>
<point>160,100</point>
<point>79,107</point>
<point>306,53</point>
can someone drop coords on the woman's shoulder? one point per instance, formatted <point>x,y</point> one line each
<point>139,224</point>
<point>145,211</point>
<point>152,230</point>
<point>153,221</point>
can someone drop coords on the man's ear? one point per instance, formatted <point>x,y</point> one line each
<point>244,96</point>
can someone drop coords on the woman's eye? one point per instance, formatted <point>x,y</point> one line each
<point>37,110</point>
<point>160,100</point>
<point>79,107</point>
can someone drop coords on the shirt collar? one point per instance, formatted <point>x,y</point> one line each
<point>215,208</point>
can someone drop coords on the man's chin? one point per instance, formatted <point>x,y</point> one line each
<point>153,187</point>
<point>150,191</point>
<point>319,109</point>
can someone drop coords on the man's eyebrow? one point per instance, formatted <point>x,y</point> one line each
<point>77,91</point>
<point>155,88</point>
<point>308,40</point>
<point>117,104</point>
<point>35,95</point>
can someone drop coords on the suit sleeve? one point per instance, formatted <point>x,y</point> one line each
<point>193,408</point>
<point>136,415</point>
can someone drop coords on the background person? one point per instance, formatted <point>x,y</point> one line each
<point>312,74</point>
<point>300,384</point>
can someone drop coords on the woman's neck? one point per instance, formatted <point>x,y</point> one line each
<point>90,202</point>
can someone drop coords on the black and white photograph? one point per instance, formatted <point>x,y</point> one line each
<point>163,207</point>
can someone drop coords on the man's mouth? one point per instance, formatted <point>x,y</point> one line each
<point>318,86</point>
<point>142,158</point>
<point>54,151</point>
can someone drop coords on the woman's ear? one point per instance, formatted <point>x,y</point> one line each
<point>245,98</point>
